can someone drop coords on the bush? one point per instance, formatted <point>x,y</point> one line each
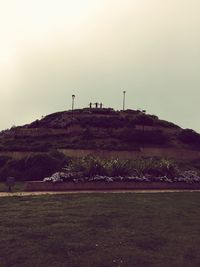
<point>41,165</point>
<point>156,167</point>
<point>12,168</point>
<point>103,122</point>
<point>142,170</point>
<point>3,160</point>
<point>87,134</point>
<point>189,136</point>
<point>156,137</point>
<point>33,167</point>
<point>168,168</point>
<point>132,112</point>
<point>166,124</point>
<point>91,166</point>
<point>119,167</point>
<point>144,120</point>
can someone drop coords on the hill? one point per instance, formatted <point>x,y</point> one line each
<point>97,128</point>
<point>45,146</point>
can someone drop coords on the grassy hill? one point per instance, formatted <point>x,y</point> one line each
<point>97,128</point>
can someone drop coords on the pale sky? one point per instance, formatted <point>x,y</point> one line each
<point>95,49</point>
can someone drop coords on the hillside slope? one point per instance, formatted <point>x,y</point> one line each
<point>98,129</point>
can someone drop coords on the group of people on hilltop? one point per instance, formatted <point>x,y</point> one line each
<point>96,105</point>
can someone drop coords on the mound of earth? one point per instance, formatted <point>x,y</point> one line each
<point>97,128</point>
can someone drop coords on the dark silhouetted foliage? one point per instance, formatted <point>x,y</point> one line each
<point>166,124</point>
<point>103,122</point>
<point>144,120</point>
<point>34,167</point>
<point>156,137</point>
<point>3,160</point>
<point>189,136</point>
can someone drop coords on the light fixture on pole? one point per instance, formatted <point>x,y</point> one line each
<point>73,97</point>
<point>124,96</point>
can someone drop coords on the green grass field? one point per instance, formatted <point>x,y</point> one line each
<point>18,187</point>
<point>89,230</point>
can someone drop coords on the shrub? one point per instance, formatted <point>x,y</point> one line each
<point>33,167</point>
<point>87,134</point>
<point>168,168</point>
<point>144,120</point>
<point>189,136</point>
<point>12,168</point>
<point>59,155</point>
<point>3,160</point>
<point>40,165</point>
<point>145,137</point>
<point>103,122</point>
<point>119,167</point>
<point>166,124</point>
<point>141,170</point>
<point>155,167</point>
<point>89,166</point>
<point>132,112</point>
<point>35,124</point>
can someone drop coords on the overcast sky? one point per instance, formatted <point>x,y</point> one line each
<point>95,49</point>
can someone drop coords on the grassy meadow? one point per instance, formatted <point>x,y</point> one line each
<point>103,230</point>
<point>18,187</point>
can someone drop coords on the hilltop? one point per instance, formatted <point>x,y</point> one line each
<point>98,128</point>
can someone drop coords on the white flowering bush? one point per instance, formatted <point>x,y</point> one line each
<point>54,178</point>
<point>90,169</point>
<point>188,177</point>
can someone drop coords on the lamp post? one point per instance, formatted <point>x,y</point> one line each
<point>73,97</point>
<point>124,96</point>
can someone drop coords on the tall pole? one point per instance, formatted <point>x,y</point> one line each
<point>73,97</point>
<point>124,98</point>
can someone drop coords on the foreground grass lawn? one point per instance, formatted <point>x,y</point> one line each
<point>18,187</point>
<point>89,230</point>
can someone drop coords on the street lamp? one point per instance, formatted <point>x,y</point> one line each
<point>73,97</point>
<point>124,96</point>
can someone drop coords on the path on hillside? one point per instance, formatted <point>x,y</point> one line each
<point>21,194</point>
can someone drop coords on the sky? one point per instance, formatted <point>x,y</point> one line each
<point>96,49</point>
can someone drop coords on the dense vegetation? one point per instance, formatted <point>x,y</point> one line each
<point>93,169</point>
<point>34,167</point>
<point>97,128</point>
<point>40,165</point>
<point>90,166</point>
